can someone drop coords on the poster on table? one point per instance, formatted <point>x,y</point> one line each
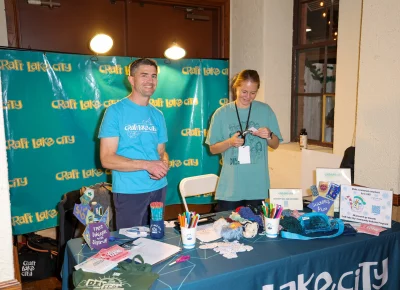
<point>289,198</point>
<point>334,175</point>
<point>366,205</point>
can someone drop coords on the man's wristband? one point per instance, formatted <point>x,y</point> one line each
<point>270,136</point>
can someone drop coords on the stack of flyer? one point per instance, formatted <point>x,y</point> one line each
<point>135,232</point>
<point>104,260</point>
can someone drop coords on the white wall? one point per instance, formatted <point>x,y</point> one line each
<point>378,134</point>
<point>261,39</point>
<point>347,74</point>
<point>6,251</point>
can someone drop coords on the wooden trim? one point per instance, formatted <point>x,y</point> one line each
<point>11,285</point>
<point>396,200</point>
<point>17,272</point>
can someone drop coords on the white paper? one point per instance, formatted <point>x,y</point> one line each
<point>153,251</point>
<point>366,205</point>
<point>252,129</point>
<point>289,198</point>
<point>244,154</point>
<point>206,233</point>
<point>95,265</point>
<point>336,175</point>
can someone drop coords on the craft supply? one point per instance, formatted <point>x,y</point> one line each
<point>250,230</point>
<point>219,224</point>
<point>272,227</point>
<point>323,188</point>
<point>370,229</point>
<point>188,237</point>
<point>188,222</point>
<point>232,231</point>
<point>228,250</point>
<point>181,259</point>
<point>314,190</point>
<point>153,251</point>
<point>157,209</point>
<point>157,220</point>
<point>334,191</point>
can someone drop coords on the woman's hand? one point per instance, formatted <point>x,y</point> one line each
<point>236,141</point>
<point>264,133</point>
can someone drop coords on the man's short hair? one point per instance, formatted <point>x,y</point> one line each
<point>141,61</point>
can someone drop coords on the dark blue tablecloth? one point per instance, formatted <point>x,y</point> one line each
<point>346,262</point>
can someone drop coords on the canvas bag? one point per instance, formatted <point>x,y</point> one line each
<point>125,276</point>
<point>37,259</point>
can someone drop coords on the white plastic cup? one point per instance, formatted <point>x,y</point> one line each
<point>271,227</point>
<point>188,237</point>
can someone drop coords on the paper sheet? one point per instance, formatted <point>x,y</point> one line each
<point>206,233</point>
<point>153,251</point>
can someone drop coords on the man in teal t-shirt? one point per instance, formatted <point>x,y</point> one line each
<point>242,131</point>
<point>133,135</point>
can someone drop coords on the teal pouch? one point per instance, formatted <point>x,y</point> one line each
<point>316,225</point>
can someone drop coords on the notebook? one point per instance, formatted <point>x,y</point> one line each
<point>152,251</point>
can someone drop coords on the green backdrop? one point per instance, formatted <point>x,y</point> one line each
<point>53,104</point>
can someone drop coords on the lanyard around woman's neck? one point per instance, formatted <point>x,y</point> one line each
<point>248,118</point>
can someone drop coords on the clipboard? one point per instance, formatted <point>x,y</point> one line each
<point>152,251</point>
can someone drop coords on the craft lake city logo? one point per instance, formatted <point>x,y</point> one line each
<point>36,143</point>
<point>134,130</point>
<point>12,105</point>
<point>84,173</point>
<point>35,66</point>
<point>207,71</point>
<point>18,182</point>
<point>193,132</point>
<point>104,283</point>
<point>191,162</point>
<point>72,104</point>
<point>28,218</point>
<point>371,275</point>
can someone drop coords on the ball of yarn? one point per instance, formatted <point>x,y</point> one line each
<point>291,224</point>
<point>232,231</point>
<point>250,230</point>
<point>218,224</point>
<point>248,214</point>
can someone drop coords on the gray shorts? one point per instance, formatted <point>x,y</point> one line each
<point>134,209</point>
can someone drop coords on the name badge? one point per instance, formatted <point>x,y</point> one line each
<point>244,155</point>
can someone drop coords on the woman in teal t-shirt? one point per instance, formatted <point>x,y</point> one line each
<point>242,131</point>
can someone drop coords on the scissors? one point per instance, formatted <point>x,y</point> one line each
<point>181,259</point>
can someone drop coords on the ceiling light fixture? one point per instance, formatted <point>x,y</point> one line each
<point>101,43</point>
<point>175,52</point>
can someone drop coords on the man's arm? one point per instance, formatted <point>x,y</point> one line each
<point>163,154</point>
<point>111,160</point>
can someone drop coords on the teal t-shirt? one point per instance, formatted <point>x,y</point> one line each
<point>140,129</point>
<point>243,181</point>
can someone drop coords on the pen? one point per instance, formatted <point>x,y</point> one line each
<point>180,260</point>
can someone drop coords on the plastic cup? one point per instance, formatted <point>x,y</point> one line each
<point>271,227</point>
<point>188,237</point>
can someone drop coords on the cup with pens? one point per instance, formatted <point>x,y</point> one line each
<point>272,215</point>
<point>157,220</point>
<point>188,222</point>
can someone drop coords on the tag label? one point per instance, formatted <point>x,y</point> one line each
<point>244,155</point>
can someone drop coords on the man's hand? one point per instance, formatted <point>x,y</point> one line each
<point>157,169</point>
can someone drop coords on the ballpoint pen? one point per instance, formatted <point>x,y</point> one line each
<point>180,260</point>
